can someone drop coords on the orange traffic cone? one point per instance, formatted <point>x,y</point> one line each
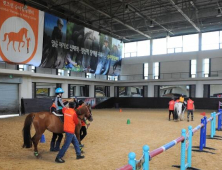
<point>120,110</point>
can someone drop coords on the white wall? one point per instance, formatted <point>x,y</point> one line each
<point>178,62</point>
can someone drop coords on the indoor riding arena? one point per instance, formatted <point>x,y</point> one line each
<point>111,84</point>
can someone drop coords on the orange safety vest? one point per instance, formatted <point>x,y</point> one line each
<point>70,120</point>
<point>190,104</point>
<point>171,105</point>
<point>53,105</point>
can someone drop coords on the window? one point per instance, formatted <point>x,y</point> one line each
<point>33,69</point>
<point>21,67</point>
<point>174,44</point>
<point>115,78</point>
<point>206,67</point>
<point>130,49</point>
<point>210,40</point>
<point>143,48</point>
<point>156,69</point>
<point>159,46</point>
<point>60,72</point>
<point>193,68</point>
<point>90,75</point>
<point>145,71</point>
<point>190,42</point>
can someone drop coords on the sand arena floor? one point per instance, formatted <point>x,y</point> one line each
<point>109,141</point>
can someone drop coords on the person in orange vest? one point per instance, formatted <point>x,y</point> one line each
<point>171,108</point>
<point>70,121</point>
<point>190,108</point>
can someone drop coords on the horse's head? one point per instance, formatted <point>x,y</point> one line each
<point>85,110</point>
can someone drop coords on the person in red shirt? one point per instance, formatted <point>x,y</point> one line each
<point>83,130</point>
<point>70,121</point>
<point>171,108</point>
<point>190,108</point>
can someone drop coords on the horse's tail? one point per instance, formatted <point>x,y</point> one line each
<point>5,36</point>
<point>26,131</point>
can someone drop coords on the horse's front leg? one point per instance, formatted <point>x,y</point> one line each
<point>77,132</point>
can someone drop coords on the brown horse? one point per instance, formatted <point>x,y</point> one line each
<point>47,120</point>
<point>13,36</point>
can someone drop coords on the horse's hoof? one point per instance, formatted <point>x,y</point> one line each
<point>37,155</point>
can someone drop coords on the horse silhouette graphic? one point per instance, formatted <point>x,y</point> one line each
<point>18,37</point>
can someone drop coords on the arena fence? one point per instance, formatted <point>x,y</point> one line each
<point>186,145</point>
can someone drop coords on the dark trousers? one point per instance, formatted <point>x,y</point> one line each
<point>83,132</point>
<point>188,114</point>
<point>55,135</point>
<point>171,111</point>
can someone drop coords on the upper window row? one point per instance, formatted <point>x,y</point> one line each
<point>186,43</point>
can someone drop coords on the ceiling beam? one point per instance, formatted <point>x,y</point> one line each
<point>147,18</point>
<point>114,19</point>
<point>184,15</point>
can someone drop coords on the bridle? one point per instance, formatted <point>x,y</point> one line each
<point>78,111</point>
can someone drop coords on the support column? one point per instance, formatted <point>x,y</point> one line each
<point>151,47</point>
<point>91,90</point>
<point>150,71</point>
<point>199,67</point>
<point>25,90</point>
<point>65,88</point>
<point>150,90</point>
<point>111,91</point>
<point>77,91</point>
<point>199,89</point>
<point>200,40</point>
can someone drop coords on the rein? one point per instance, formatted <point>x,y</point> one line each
<point>79,113</point>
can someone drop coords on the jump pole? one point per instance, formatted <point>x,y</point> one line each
<point>219,119</point>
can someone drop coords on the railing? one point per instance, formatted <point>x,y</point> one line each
<point>134,77</point>
<point>177,75</point>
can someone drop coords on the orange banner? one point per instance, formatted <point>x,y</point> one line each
<point>21,33</point>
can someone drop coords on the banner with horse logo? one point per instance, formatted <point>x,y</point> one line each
<point>73,47</point>
<point>21,33</point>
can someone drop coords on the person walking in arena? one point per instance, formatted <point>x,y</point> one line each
<point>83,130</point>
<point>70,122</point>
<point>190,108</point>
<point>171,108</point>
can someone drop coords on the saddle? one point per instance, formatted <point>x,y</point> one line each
<point>60,116</point>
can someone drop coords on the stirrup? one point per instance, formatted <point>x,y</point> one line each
<point>57,114</point>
